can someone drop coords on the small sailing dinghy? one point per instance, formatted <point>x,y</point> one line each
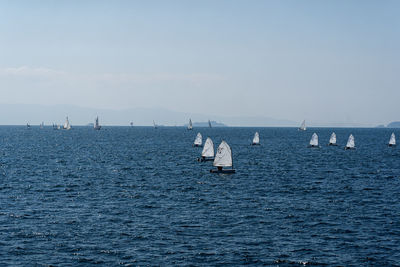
<point>314,141</point>
<point>96,124</point>
<point>392,141</point>
<point>28,126</point>
<point>190,126</point>
<point>350,143</point>
<point>208,151</point>
<point>303,126</point>
<point>198,141</point>
<point>223,158</point>
<point>155,125</point>
<point>209,124</point>
<point>256,139</point>
<point>67,125</point>
<point>332,140</point>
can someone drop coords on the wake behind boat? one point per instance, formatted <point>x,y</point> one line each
<point>256,139</point>
<point>332,140</point>
<point>392,141</point>
<point>198,141</point>
<point>350,143</point>
<point>314,141</point>
<point>208,151</point>
<point>223,159</point>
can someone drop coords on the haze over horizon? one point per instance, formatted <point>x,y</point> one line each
<point>324,61</point>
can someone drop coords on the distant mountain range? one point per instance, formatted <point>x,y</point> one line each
<point>20,114</point>
<point>395,124</point>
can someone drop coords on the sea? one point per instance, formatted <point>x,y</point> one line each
<point>136,196</point>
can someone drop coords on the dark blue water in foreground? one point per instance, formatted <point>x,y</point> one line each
<point>137,196</point>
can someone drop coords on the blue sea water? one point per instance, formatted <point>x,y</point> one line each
<point>137,196</point>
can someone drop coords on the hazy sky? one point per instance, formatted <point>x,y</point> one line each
<point>324,61</point>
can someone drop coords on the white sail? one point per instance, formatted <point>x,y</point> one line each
<point>303,126</point>
<point>350,142</point>
<point>190,126</point>
<point>332,140</point>
<point>198,141</point>
<point>154,124</point>
<point>392,140</point>
<point>256,139</point>
<point>208,149</point>
<point>314,140</point>
<point>223,157</point>
<point>67,126</point>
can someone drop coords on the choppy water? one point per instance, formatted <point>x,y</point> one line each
<point>137,196</point>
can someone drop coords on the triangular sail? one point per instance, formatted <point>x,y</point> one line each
<point>223,157</point>
<point>198,141</point>
<point>314,140</point>
<point>392,140</point>
<point>96,123</point>
<point>256,138</point>
<point>208,149</point>
<point>350,142</point>
<point>332,140</point>
<point>67,126</point>
<point>190,126</point>
<point>303,126</point>
<point>209,123</point>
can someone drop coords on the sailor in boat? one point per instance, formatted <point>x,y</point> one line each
<point>350,143</point>
<point>256,140</point>
<point>223,159</point>
<point>314,141</point>
<point>198,141</point>
<point>392,141</point>
<point>332,140</point>
<point>208,151</point>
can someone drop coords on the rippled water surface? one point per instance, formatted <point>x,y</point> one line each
<point>137,196</point>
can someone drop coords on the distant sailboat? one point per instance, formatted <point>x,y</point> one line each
<point>392,141</point>
<point>96,124</point>
<point>314,140</point>
<point>256,139</point>
<point>55,126</point>
<point>131,123</point>
<point>42,125</point>
<point>223,159</point>
<point>332,140</point>
<point>198,141</point>
<point>190,126</point>
<point>303,126</point>
<point>155,125</point>
<point>208,151</point>
<point>67,125</point>
<point>209,124</point>
<point>28,126</point>
<point>350,143</point>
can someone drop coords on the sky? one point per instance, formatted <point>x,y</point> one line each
<point>323,61</point>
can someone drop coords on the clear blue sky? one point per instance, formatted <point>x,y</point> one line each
<point>324,61</point>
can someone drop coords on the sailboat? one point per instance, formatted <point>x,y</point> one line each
<point>155,125</point>
<point>42,125</point>
<point>96,124</point>
<point>256,139</point>
<point>303,126</point>
<point>314,141</point>
<point>332,140</point>
<point>67,126</point>
<point>223,159</point>
<point>208,151</point>
<point>28,126</point>
<point>198,141</point>
<point>350,143</point>
<point>209,124</point>
<point>190,126</point>
<point>392,141</point>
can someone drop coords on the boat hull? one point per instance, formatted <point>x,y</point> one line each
<point>197,145</point>
<point>391,145</point>
<point>349,148</point>
<point>204,159</point>
<point>255,144</point>
<point>330,144</point>
<point>229,171</point>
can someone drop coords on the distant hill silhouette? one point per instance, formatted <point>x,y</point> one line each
<point>205,124</point>
<point>395,124</point>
